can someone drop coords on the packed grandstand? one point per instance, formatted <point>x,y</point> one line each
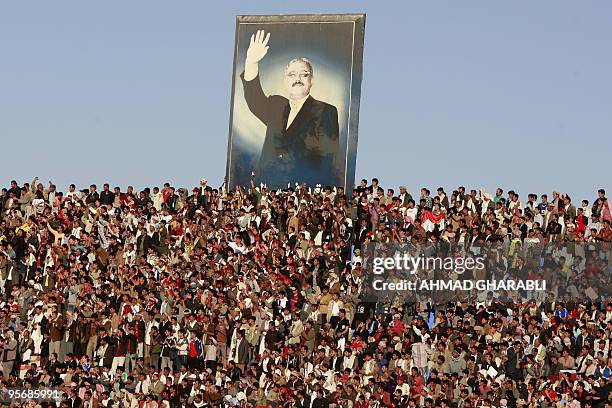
<point>213,298</point>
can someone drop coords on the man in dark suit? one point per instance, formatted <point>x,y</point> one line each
<point>320,400</point>
<point>302,401</point>
<point>336,360</point>
<point>302,133</point>
<point>242,350</point>
<point>73,400</point>
<point>92,195</point>
<point>513,369</point>
<point>584,339</point>
<point>107,197</point>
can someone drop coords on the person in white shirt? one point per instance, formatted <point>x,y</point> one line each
<point>72,193</point>
<point>586,211</point>
<point>143,384</point>
<point>333,311</point>
<point>297,328</point>
<point>369,368</point>
<point>158,199</point>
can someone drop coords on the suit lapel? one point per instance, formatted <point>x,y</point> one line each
<point>299,115</point>
<point>286,117</point>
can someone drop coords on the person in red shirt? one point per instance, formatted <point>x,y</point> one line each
<point>397,326</point>
<point>416,385</point>
<point>166,192</point>
<point>361,402</point>
<point>194,351</point>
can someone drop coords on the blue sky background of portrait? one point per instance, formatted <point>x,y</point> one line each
<point>482,93</point>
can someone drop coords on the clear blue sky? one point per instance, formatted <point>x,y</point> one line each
<point>515,94</point>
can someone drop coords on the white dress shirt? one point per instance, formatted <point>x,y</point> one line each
<point>295,106</point>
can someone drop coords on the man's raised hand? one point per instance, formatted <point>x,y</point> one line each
<point>258,48</point>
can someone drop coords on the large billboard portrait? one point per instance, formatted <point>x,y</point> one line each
<point>295,100</point>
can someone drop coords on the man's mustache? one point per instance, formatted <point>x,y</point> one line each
<point>297,83</point>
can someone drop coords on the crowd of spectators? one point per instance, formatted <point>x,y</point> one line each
<point>206,298</point>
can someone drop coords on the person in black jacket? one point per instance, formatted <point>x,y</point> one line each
<point>107,197</point>
<point>273,338</point>
<point>584,339</point>
<point>92,195</point>
<point>302,133</point>
<point>302,400</point>
<point>320,400</point>
<point>198,200</point>
<point>513,368</point>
